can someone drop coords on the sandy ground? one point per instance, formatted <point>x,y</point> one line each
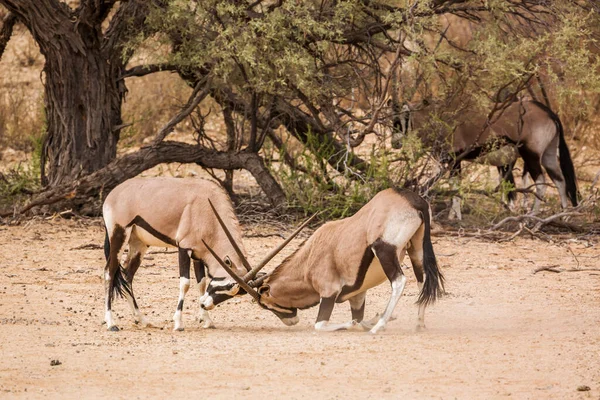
<point>501,331</point>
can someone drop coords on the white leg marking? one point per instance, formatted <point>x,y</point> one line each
<point>203,316</point>
<point>540,189</point>
<point>325,326</point>
<point>421,317</point>
<point>184,285</point>
<point>397,289</point>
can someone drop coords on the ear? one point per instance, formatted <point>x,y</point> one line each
<point>233,291</point>
<point>264,289</point>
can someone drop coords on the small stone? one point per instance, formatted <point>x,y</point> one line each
<point>54,363</point>
<point>583,388</point>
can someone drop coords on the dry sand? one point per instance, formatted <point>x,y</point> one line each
<point>501,331</point>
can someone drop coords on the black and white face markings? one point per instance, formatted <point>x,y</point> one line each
<point>220,290</point>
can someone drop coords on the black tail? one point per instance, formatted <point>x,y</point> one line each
<point>433,287</point>
<point>120,285</point>
<point>566,163</point>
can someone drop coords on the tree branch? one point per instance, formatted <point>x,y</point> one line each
<point>130,165</point>
<point>200,92</point>
<point>143,70</point>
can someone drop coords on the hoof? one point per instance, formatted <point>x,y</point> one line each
<point>114,328</point>
<point>421,328</point>
<point>178,329</point>
<point>208,325</point>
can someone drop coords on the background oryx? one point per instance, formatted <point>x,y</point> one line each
<point>533,128</point>
<point>167,212</point>
<point>345,258</point>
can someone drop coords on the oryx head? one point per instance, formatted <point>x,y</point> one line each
<point>252,282</point>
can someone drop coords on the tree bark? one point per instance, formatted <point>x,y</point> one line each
<point>83,108</point>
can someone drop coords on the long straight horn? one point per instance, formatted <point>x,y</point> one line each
<point>250,275</point>
<point>239,280</point>
<point>231,240</point>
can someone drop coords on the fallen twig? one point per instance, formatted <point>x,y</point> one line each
<point>553,268</point>
<point>89,246</point>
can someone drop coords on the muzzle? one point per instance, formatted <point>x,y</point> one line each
<point>206,302</point>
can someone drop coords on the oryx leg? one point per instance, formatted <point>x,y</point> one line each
<point>455,209</point>
<point>325,310</point>
<point>551,163</point>
<point>534,168</point>
<point>202,279</point>
<point>137,249</point>
<point>114,282</point>
<point>388,257</point>
<point>357,307</point>
<point>184,285</point>
<point>506,175</point>
<point>415,253</point>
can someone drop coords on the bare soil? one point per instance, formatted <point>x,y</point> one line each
<point>500,332</point>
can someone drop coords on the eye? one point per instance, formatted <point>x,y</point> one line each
<point>227,261</point>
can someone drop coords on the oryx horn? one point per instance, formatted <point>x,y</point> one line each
<point>253,271</point>
<point>231,240</point>
<point>235,276</point>
<point>250,275</point>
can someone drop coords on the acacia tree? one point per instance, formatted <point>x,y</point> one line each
<point>269,65</point>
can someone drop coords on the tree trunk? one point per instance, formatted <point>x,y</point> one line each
<point>82,89</point>
<point>83,110</point>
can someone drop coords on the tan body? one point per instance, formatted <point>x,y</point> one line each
<point>345,258</point>
<point>167,212</point>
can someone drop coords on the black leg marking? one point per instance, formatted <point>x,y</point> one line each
<point>184,263</point>
<point>532,163</point>
<point>386,253</point>
<point>139,221</point>
<point>366,260</point>
<point>358,314</point>
<point>326,308</point>
<point>180,305</point>
<point>133,266</point>
<point>199,270</point>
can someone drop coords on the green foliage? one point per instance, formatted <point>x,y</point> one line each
<point>313,186</point>
<point>22,179</point>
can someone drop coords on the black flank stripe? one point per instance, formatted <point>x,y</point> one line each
<point>141,222</point>
<point>367,258</point>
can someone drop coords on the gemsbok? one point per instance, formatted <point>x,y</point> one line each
<point>342,260</point>
<point>171,212</point>
<point>527,125</point>
<point>166,212</point>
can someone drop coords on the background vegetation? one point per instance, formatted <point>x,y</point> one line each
<point>311,88</point>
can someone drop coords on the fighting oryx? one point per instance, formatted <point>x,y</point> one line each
<point>525,127</point>
<point>345,258</point>
<point>167,212</point>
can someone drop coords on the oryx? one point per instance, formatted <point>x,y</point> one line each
<point>167,212</point>
<point>525,128</point>
<point>345,258</point>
